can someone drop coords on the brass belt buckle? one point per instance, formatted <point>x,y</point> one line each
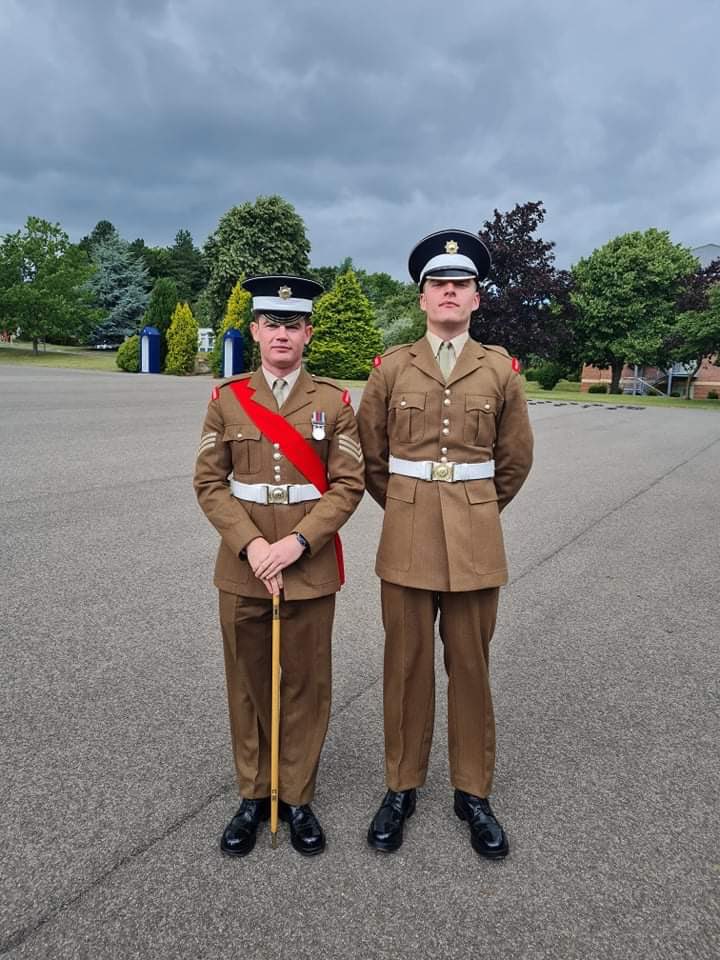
<point>443,471</point>
<point>278,494</point>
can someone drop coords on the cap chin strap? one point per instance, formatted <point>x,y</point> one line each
<point>284,317</point>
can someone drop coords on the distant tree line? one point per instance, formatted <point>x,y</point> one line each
<point>638,299</point>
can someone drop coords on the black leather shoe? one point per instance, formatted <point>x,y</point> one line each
<point>239,835</point>
<point>386,829</point>
<point>486,835</point>
<point>306,834</point>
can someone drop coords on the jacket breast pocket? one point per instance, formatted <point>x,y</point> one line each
<point>406,417</point>
<point>246,446</point>
<point>480,413</point>
<point>304,428</point>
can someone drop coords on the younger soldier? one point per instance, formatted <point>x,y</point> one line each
<point>447,443</point>
<point>277,487</point>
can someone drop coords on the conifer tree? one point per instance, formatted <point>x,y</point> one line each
<point>346,337</point>
<point>182,338</point>
<point>119,288</point>
<point>237,315</point>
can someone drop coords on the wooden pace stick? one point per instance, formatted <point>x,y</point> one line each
<point>275,719</point>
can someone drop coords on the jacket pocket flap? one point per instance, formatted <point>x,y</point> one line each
<point>402,488</point>
<point>403,401</point>
<point>480,491</point>
<point>241,431</point>
<point>485,404</point>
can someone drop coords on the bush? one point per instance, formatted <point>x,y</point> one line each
<point>712,395</point>
<point>531,374</point>
<point>128,355</point>
<point>346,338</point>
<point>598,388</point>
<point>182,341</point>
<point>548,374</point>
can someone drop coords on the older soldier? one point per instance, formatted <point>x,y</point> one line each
<point>447,442</point>
<point>277,486</point>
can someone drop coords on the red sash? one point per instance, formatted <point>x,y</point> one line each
<point>295,447</point>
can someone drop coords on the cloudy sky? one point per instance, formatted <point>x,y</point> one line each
<point>380,120</point>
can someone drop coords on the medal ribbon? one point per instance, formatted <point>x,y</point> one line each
<point>293,445</point>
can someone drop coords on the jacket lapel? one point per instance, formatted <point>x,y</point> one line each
<point>300,395</point>
<point>423,359</point>
<point>471,357</point>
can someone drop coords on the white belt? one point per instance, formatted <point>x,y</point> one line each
<point>274,492</point>
<point>436,470</point>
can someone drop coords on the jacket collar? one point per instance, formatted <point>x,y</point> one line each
<point>469,360</point>
<point>299,396</point>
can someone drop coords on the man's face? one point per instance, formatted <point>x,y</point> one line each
<point>281,344</point>
<point>449,302</point>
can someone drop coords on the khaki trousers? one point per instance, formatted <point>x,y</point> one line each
<point>467,622</point>
<point>305,652</point>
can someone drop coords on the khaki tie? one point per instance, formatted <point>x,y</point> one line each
<point>278,389</point>
<point>446,358</point>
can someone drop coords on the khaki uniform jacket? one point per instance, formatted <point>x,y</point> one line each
<point>437,535</point>
<point>232,445</point>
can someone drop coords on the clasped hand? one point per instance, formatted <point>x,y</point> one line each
<point>268,560</point>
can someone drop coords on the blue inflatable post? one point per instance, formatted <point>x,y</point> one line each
<point>149,350</point>
<point>233,349</point>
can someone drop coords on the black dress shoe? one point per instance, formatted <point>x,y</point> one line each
<point>386,829</point>
<point>486,835</point>
<point>239,835</point>
<point>306,834</point>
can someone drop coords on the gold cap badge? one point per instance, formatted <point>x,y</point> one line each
<point>451,247</point>
<point>285,293</point>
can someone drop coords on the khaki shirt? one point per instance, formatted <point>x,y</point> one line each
<point>437,535</point>
<point>231,444</point>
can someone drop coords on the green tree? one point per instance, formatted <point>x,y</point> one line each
<point>163,300</point>
<point>267,236</point>
<point>696,335</point>
<point>102,231</point>
<point>119,288</point>
<point>238,314</point>
<point>156,259</point>
<point>346,337</point>
<point>377,287</point>
<point>182,338</point>
<point>43,281</point>
<point>400,317</point>
<point>186,266</point>
<point>624,297</point>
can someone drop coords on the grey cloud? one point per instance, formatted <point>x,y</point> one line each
<point>379,123</point>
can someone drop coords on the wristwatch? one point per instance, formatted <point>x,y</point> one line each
<point>301,540</point>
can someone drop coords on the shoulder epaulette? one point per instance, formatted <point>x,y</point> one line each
<point>514,362</point>
<point>329,381</point>
<point>497,349</point>
<point>216,390</point>
<point>388,353</point>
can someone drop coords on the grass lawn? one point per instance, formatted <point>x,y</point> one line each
<point>568,392</point>
<point>78,358</point>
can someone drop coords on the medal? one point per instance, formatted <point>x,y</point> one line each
<point>318,424</point>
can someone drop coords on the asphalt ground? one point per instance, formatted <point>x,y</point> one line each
<point>117,777</point>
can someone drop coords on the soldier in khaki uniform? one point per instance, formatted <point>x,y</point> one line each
<point>447,443</point>
<point>278,532</point>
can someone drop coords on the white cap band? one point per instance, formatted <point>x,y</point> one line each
<point>446,261</point>
<point>278,305</point>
